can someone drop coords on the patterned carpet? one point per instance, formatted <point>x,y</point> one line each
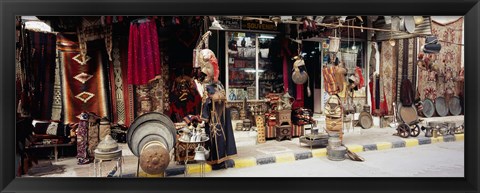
<point>450,56</point>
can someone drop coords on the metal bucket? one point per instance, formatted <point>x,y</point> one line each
<point>151,127</point>
<point>337,153</point>
<point>454,106</point>
<point>441,106</point>
<point>334,140</point>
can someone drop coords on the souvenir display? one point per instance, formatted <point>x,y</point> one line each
<point>89,85</point>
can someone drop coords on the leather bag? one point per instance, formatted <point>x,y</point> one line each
<point>333,107</point>
<point>299,74</point>
<point>333,124</point>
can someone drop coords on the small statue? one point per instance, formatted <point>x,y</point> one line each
<point>287,101</point>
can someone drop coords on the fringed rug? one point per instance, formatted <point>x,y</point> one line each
<point>448,33</point>
<point>83,82</point>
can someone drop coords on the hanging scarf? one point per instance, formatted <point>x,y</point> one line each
<point>358,73</point>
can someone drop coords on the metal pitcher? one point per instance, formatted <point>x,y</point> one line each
<point>201,154</point>
<point>428,131</point>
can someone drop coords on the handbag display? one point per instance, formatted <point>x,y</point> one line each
<point>333,107</point>
<point>333,124</point>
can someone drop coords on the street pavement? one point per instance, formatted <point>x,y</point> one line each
<point>433,160</point>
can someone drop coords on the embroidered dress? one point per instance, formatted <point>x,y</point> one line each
<point>82,135</point>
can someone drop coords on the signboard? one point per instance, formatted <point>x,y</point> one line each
<point>229,23</point>
<point>255,25</point>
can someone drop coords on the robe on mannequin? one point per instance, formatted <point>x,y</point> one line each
<point>216,116</point>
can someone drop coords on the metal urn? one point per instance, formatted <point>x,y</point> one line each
<point>108,149</point>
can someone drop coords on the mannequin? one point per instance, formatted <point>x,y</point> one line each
<point>214,113</point>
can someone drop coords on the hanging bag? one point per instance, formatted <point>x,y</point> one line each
<point>299,74</point>
<point>333,107</point>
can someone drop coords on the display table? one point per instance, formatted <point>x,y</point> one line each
<point>320,139</point>
<point>100,157</point>
<point>188,146</point>
<point>55,147</point>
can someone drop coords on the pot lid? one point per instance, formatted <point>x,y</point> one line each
<point>108,144</point>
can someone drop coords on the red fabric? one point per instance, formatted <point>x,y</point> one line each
<point>143,53</point>
<point>299,99</point>
<point>285,52</point>
<point>285,74</point>
<point>361,83</point>
<point>384,105</point>
<point>108,19</point>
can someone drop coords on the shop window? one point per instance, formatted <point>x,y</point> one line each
<point>249,68</point>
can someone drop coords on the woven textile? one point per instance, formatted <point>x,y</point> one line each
<point>42,61</point>
<point>388,69</point>
<point>143,53</point>
<point>83,88</point>
<point>330,82</point>
<point>122,93</point>
<point>450,56</point>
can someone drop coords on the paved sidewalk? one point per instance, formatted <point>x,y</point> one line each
<point>357,140</point>
<point>250,154</point>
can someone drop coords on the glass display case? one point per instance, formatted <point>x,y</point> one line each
<point>249,74</point>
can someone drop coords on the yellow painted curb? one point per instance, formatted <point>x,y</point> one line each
<point>459,137</point>
<point>319,152</point>
<point>355,148</point>
<point>437,139</point>
<point>384,145</point>
<point>245,162</point>
<point>142,174</point>
<point>284,158</point>
<point>410,142</point>
<point>195,168</point>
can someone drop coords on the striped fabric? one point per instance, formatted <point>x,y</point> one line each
<point>329,80</point>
